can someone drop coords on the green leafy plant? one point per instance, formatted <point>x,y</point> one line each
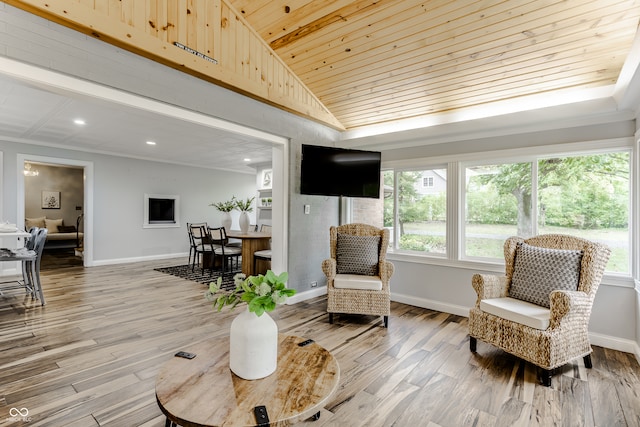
<point>262,292</point>
<point>227,206</point>
<point>245,205</point>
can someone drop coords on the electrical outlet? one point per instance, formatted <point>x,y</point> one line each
<point>314,284</point>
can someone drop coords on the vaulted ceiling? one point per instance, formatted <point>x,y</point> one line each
<point>371,62</point>
<point>352,64</point>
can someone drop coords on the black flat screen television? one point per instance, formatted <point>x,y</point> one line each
<point>330,171</point>
<point>161,211</point>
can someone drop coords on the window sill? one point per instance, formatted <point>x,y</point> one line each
<point>609,279</point>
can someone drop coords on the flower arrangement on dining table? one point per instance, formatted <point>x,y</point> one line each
<point>245,205</point>
<point>262,292</point>
<point>234,203</point>
<point>226,206</point>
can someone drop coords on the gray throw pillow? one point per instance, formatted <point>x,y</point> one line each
<point>357,254</point>
<point>538,271</point>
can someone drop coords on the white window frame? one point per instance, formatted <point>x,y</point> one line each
<point>456,164</point>
<point>395,235</point>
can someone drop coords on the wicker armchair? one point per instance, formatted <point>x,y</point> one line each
<point>356,293</point>
<point>567,336</point>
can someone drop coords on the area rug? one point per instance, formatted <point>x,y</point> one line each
<point>184,271</point>
<point>56,258</point>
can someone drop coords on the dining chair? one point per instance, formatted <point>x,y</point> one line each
<point>222,249</point>
<point>29,245</point>
<point>265,254</point>
<point>203,245</point>
<point>192,244</point>
<point>33,265</point>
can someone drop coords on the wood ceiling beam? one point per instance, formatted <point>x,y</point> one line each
<point>342,14</point>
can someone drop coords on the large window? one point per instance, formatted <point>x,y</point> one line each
<point>585,196</point>
<point>498,205</point>
<point>420,221</point>
<point>466,210</point>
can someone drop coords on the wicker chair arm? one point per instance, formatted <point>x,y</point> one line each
<point>569,307</point>
<point>329,268</point>
<point>386,269</point>
<point>489,286</point>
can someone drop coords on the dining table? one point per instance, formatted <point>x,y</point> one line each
<point>10,238</point>
<point>252,241</point>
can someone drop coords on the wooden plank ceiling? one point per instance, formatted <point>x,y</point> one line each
<point>372,62</point>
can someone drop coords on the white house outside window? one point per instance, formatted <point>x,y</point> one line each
<point>417,213</point>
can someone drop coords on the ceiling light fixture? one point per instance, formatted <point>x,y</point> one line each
<point>79,122</point>
<point>247,160</point>
<point>151,143</point>
<point>30,172</point>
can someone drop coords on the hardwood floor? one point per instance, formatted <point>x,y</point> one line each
<point>90,357</point>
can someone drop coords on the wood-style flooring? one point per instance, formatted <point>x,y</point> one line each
<point>91,355</point>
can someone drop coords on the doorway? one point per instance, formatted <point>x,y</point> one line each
<point>37,197</point>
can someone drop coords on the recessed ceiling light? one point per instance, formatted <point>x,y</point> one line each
<point>79,122</point>
<point>151,143</point>
<point>247,160</point>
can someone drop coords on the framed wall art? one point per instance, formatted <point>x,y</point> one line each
<point>267,176</point>
<point>50,200</point>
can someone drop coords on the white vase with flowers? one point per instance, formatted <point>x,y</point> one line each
<point>244,206</point>
<point>225,208</point>
<point>253,337</point>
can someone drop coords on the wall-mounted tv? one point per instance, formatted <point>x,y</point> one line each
<point>331,171</point>
<point>161,211</point>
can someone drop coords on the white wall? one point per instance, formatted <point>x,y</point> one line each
<point>118,208</point>
<point>637,230</point>
<point>637,349</point>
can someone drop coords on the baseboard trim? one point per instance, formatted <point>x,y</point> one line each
<point>615,343</point>
<point>607,341</point>
<point>431,304</point>
<point>303,296</point>
<point>137,259</point>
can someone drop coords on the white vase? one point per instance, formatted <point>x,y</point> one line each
<point>226,220</point>
<point>244,222</point>
<point>253,352</point>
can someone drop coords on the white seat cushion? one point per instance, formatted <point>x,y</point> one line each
<point>518,311</point>
<point>207,247</point>
<point>265,253</point>
<point>357,281</point>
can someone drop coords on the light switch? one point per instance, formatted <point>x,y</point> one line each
<point>307,209</point>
